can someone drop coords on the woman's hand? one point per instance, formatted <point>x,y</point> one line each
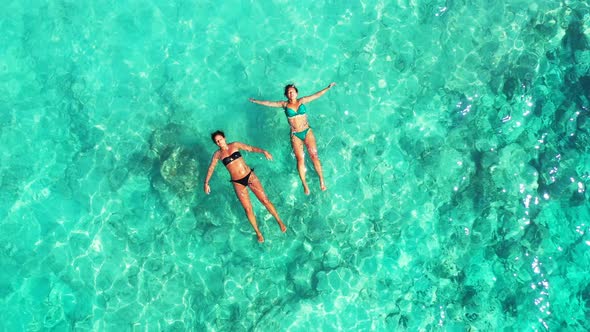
<point>267,155</point>
<point>252,100</point>
<point>331,84</point>
<point>207,189</point>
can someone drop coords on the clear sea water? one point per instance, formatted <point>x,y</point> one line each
<point>455,148</point>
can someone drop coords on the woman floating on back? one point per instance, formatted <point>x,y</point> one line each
<point>242,177</point>
<point>301,132</point>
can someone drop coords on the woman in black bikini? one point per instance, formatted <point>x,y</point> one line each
<point>242,177</point>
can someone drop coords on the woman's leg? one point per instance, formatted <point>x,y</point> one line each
<point>312,149</point>
<point>257,189</point>
<point>298,150</point>
<point>244,197</point>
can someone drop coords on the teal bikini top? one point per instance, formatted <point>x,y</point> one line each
<point>289,112</point>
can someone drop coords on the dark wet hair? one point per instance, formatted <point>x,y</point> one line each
<point>288,86</point>
<point>216,133</point>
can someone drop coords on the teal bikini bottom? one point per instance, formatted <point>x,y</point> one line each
<point>301,134</point>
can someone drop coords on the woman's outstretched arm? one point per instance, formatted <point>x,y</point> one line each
<point>316,95</point>
<point>254,149</point>
<point>212,165</point>
<point>267,103</point>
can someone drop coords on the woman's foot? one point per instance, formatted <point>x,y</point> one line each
<point>323,186</point>
<point>282,226</point>
<point>260,238</point>
<point>305,188</point>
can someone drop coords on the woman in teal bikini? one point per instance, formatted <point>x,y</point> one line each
<point>301,132</point>
<point>242,177</point>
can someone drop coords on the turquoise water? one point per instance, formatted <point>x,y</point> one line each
<point>454,145</point>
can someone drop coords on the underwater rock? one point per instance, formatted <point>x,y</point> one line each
<point>180,171</point>
<point>582,63</point>
<point>162,139</point>
<point>514,177</point>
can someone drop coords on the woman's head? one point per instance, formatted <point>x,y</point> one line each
<point>289,87</point>
<point>215,134</point>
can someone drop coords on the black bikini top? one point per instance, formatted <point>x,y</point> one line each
<point>231,158</point>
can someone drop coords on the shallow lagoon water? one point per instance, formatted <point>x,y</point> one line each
<point>455,148</point>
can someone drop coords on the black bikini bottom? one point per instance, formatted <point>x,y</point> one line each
<point>245,180</point>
